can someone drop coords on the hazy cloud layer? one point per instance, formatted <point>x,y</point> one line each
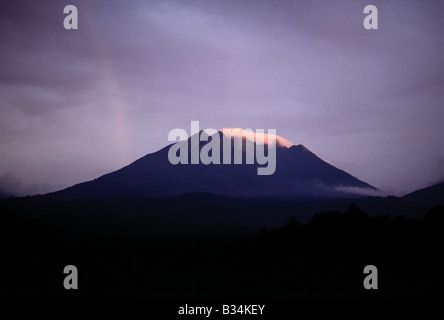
<point>77,104</point>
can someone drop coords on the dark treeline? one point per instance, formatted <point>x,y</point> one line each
<point>323,258</point>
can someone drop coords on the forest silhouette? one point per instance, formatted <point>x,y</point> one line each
<point>321,259</point>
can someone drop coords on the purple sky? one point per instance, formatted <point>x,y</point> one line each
<point>80,103</point>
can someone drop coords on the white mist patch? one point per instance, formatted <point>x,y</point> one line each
<point>361,191</point>
<point>257,137</point>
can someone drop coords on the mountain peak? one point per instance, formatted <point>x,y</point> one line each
<point>299,147</point>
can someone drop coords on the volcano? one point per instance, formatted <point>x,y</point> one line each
<point>299,173</point>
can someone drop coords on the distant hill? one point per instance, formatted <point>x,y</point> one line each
<point>299,174</point>
<point>433,195</point>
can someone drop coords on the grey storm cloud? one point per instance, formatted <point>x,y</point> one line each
<point>79,103</point>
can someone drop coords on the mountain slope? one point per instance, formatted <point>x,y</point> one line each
<point>299,173</point>
<point>432,195</point>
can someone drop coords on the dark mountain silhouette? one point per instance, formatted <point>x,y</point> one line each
<point>187,244</point>
<point>299,173</point>
<point>433,195</point>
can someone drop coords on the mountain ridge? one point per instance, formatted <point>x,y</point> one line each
<point>431,195</point>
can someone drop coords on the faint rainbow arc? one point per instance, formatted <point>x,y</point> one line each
<point>116,102</point>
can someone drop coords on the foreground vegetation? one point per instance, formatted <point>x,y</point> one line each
<point>323,258</point>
